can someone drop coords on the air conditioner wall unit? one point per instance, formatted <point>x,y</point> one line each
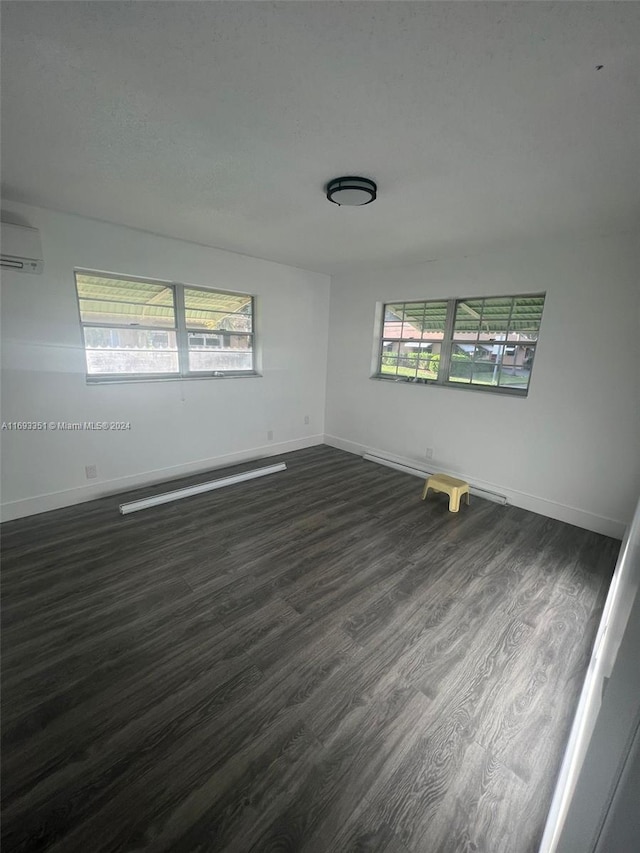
<point>20,248</point>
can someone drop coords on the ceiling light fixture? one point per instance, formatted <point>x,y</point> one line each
<point>351,191</point>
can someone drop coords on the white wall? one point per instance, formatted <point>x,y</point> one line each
<point>176,426</point>
<point>571,449</point>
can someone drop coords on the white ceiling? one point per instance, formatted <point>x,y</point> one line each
<point>484,124</point>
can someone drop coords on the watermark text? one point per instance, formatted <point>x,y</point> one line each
<point>65,426</point>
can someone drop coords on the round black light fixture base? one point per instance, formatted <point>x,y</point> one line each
<point>351,191</point>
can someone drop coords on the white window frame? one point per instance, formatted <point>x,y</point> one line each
<point>447,344</point>
<point>180,329</point>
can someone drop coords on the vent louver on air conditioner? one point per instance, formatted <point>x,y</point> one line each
<point>20,248</point>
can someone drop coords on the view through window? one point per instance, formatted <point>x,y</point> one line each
<point>134,328</point>
<point>484,342</point>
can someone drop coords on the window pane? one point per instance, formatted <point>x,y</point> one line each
<point>429,364</point>
<point>495,314</point>
<point>130,351</point>
<point>485,364</point>
<point>496,319</point>
<point>412,328</point>
<point>218,320</point>
<point>115,290</point>
<point>220,353</point>
<point>394,311</point>
<point>393,317</point>
<point>111,301</point>
<point>221,341</point>
<point>389,357</point>
<point>493,365</point>
<point>461,365</point>
<point>208,309</point>
<point>515,368</point>
<point>415,320</point>
<point>463,349</point>
<point>523,337</point>
<point>468,313</point>
<point>432,321</point>
<point>222,361</point>
<point>484,353</point>
<point>527,315</point>
<point>126,314</point>
<point>413,324</point>
<point>205,341</point>
<point>211,300</point>
<point>407,360</point>
<point>389,365</point>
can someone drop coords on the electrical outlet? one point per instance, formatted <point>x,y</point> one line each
<point>306,419</point>
<point>270,435</point>
<point>91,471</point>
<point>429,453</point>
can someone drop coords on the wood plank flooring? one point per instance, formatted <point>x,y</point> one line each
<point>314,661</point>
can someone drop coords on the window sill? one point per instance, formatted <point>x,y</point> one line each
<point>120,380</point>
<point>456,386</point>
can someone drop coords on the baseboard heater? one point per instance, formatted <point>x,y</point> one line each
<point>188,491</point>
<point>419,472</point>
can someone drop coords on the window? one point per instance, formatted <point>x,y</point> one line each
<point>487,343</point>
<point>134,329</point>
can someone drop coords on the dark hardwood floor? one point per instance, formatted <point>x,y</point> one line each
<point>313,661</point>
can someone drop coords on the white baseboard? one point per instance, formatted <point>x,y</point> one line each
<point>543,506</point>
<point>80,494</point>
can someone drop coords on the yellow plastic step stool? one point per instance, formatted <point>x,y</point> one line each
<point>450,486</point>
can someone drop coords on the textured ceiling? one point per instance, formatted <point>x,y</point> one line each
<point>484,124</point>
